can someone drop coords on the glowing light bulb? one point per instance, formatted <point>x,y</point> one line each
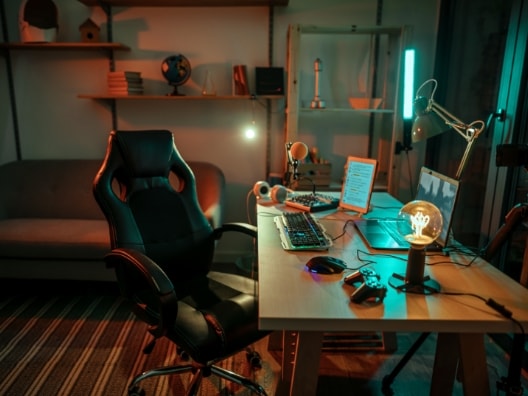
<point>250,132</point>
<point>420,223</point>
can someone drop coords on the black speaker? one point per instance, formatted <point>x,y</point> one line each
<point>270,80</point>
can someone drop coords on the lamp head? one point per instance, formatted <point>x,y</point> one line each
<point>420,223</point>
<point>427,122</point>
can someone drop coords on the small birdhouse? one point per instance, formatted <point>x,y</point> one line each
<point>89,31</point>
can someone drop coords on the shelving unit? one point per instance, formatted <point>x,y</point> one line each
<point>109,47</point>
<point>178,98</point>
<point>377,53</point>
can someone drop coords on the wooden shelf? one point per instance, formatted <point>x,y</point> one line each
<point>183,97</point>
<point>345,110</point>
<point>185,3</point>
<point>64,46</point>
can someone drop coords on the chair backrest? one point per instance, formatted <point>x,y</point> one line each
<point>145,211</point>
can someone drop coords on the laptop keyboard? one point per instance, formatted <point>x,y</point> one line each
<point>301,231</point>
<point>392,229</point>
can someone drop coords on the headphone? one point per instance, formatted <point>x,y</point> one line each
<point>277,193</point>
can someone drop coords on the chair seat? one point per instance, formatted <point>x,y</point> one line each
<point>217,318</point>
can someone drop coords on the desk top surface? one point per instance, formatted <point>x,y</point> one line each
<point>291,298</point>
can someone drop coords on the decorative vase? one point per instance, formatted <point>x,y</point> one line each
<point>38,21</point>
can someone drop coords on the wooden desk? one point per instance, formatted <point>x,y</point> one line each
<point>305,305</point>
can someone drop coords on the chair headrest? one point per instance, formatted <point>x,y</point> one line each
<point>146,153</point>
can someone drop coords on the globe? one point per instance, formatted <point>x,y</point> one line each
<point>176,69</point>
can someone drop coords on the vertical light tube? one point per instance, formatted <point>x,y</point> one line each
<point>408,84</point>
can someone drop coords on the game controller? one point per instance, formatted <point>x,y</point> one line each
<point>370,289</point>
<point>360,276</point>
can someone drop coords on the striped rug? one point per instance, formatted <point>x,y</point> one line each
<point>91,345</point>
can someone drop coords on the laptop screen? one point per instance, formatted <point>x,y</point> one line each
<point>358,184</point>
<point>442,191</point>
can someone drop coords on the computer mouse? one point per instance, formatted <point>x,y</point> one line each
<point>326,265</point>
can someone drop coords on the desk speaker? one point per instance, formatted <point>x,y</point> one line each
<point>269,80</point>
<point>278,193</point>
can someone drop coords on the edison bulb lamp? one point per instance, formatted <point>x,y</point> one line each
<point>420,223</point>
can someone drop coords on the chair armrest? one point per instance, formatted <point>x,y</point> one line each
<point>244,228</point>
<point>160,307</point>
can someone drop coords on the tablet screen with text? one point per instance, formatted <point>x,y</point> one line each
<point>358,184</point>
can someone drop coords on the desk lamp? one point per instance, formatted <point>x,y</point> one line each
<point>432,119</point>
<point>419,223</point>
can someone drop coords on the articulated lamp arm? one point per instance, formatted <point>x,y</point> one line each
<point>430,118</point>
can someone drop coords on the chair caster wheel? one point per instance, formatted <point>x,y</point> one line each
<point>254,359</point>
<point>136,391</point>
<point>182,354</point>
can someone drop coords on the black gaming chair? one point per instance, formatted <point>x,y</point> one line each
<point>162,251</point>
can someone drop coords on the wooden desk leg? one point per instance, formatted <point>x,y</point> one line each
<point>289,347</point>
<point>301,353</point>
<point>306,367</point>
<point>469,350</point>
<point>445,365</point>
<point>473,367</point>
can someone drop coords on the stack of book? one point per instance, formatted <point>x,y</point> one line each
<point>125,83</point>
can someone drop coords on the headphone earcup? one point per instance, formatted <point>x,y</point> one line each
<point>279,193</point>
<point>261,189</point>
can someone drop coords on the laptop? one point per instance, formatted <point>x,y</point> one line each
<point>356,190</point>
<point>433,187</point>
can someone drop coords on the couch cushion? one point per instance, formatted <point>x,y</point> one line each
<point>60,189</point>
<point>54,239</point>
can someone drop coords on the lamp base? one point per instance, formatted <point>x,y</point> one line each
<point>317,103</point>
<point>427,286</point>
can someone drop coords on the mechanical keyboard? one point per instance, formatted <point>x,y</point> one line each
<point>312,202</point>
<point>301,231</point>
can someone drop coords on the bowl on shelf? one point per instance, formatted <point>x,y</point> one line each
<point>364,103</point>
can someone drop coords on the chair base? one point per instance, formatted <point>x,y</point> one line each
<point>199,372</point>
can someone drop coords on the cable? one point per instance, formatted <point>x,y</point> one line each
<point>409,169</point>
<point>344,230</point>
<point>250,193</point>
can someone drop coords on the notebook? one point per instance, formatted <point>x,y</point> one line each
<point>358,183</point>
<point>433,187</point>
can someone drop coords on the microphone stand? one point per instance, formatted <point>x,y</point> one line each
<point>293,167</point>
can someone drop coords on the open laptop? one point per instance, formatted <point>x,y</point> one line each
<point>433,187</point>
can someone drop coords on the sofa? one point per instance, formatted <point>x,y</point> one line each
<point>51,226</point>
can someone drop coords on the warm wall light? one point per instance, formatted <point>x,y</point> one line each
<point>251,131</point>
<point>419,223</point>
<point>432,119</point>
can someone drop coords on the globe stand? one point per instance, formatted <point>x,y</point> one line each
<point>175,91</point>
<point>414,280</point>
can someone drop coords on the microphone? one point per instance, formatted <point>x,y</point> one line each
<point>295,152</point>
<point>299,151</point>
